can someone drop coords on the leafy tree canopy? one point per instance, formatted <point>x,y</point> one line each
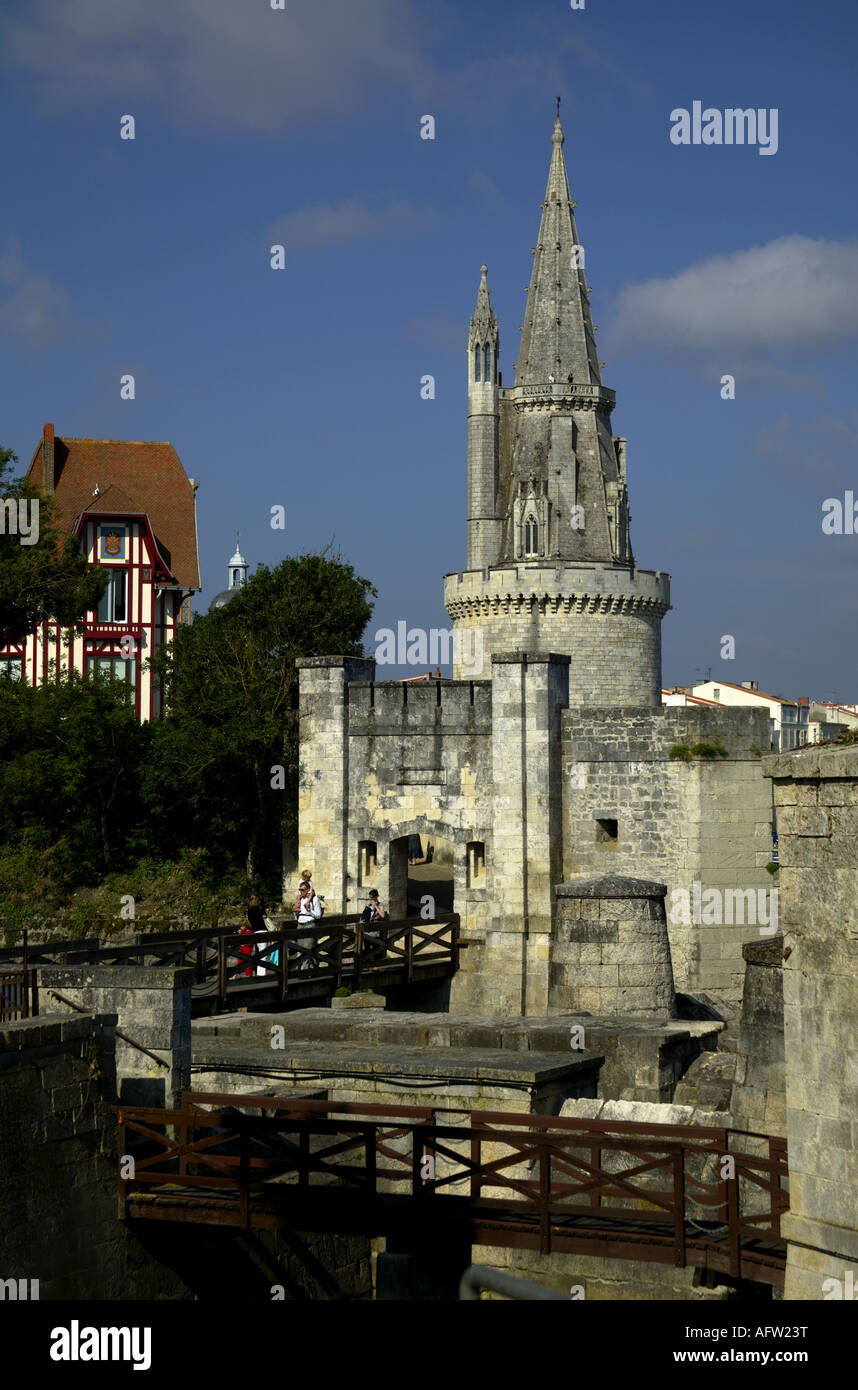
<point>229,748</point>
<point>49,579</point>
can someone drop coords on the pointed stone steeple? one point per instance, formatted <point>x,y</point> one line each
<point>484,520</point>
<point>484,324</point>
<point>564,493</point>
<point>550,561</point>
<point>558,336</point>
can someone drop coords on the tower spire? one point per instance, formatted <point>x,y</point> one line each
<point>483,323</point>
<point>484,522</point>
<point>558,337</point>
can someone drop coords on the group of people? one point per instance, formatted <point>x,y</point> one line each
<point>307,909</point>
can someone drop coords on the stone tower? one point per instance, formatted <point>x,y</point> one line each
<point>550,563</point>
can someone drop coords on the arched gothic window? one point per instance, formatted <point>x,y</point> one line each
<point>476,362</point>
<point>531,536</point>
<point>487,364</point>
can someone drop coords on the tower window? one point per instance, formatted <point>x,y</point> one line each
<point>531,536</point>
<point>606,831</point>
<point>236,578</point>
<point>476,864</point>
<point>476,362</point>
<point>487,364</point>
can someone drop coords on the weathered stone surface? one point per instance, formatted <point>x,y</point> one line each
<point>819,873</point>
<point>359,1001</point>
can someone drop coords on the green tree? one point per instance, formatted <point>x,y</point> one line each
<point>225,760</point>
<point>71,759</point>
<point>49,579</point>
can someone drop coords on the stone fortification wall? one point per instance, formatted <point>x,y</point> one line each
<point>759,1092</point>
<point>816,797</point>
<point>707,820</point>
<point>58,1214</point>
<point>153,1007</point>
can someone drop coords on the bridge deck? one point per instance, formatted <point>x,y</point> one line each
<point>620,1190</point>
<point>290,963</point>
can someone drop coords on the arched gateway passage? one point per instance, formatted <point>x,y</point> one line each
<point>421,876</point>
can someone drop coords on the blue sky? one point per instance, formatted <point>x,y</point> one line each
<point>301,387</point>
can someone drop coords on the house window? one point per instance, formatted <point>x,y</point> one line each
<point>367,863</point>
<point>716,694</point>
<point>531,536</point>
<point>606,831</point>
<point>476,864</point>
<point>112,604</point>
<point>11,667</point>
<point>116,668</point>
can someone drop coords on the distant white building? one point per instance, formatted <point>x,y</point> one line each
<point>788,718</point>
<point>677,696</point>
<point>827,721</point>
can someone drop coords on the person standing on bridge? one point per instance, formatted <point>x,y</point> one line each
<point>307,909</point>
<point>256,918</point>
<point>247,950</point>
<point>371,915</point>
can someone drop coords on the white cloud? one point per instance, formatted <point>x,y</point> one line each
<point>32,310</point>
<point>793,293</point>
<point>235,62</point>
<point>329,224</point>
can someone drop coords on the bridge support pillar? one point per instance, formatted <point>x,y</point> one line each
<point>153,1005</point>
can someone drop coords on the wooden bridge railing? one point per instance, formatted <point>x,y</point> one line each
<point>657,1192</point>
<point>19,994</point>
<point>335,949</point>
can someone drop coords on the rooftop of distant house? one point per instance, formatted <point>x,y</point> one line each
<point>121,477</point>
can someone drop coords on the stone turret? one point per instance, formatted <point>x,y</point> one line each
<point>484,521</point>
<point>550,563</point>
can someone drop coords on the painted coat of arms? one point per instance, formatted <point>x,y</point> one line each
<point>113,544</point>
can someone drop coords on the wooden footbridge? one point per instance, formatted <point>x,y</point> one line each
<point>291,964</point>
<point>543,1183</point>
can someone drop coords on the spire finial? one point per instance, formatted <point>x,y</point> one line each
<point>558,109</point>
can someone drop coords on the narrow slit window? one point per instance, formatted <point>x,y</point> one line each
<point>476,851</point>
<point>367,863</point>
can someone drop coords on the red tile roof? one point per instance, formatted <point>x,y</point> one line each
<point>132,476</point>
